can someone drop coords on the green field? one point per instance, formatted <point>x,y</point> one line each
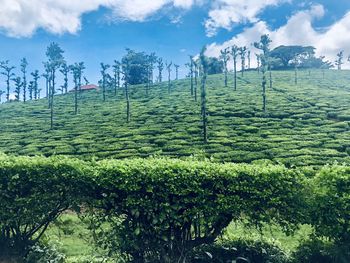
<point>305,124</point>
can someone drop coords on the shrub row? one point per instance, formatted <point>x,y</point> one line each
<point>159,210</point>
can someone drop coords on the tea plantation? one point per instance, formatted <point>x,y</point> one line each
<point>305,124</point>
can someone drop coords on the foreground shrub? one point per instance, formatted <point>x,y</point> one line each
<point>33,193</point>
<point>317,251</point>
<point>330,205</point>
<point>241,250</point>
<point>159,210</point>
<point>41,253</point>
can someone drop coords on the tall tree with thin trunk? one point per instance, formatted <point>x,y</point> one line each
<point>65,70</point>
<point>204,67</point>
<point>7,72</point>
<point>242,53</point>
<point>18,85</point>
<point>126,75</point>
<point>55,57</point>
<point>116,76</point>
<point>191,65</point>
<point>196,71</point>
<point>46,75</point>
<point>168,67</point>
<point>176,71</point>
<point>31,90</point>
<point>264,46</point>
<point>234,54</point>
<point>77,71</point>
<point>160,66</point>
<point>339,61</point>
<point>225,57</point>
<point>248,59</point>
<point>258,62</point>
<point>24,65</point>
<point>35,87</point>
<point>104,68</point>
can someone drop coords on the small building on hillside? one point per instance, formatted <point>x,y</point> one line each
<point>87,87</point>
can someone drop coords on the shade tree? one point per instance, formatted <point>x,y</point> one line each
<point>234,54</point>
<point>7,71</point>
<point>116,76</point>
<point>160,66</point>
<point>264,46</point>
<point>64,70</point>
<point>35,85</point>
<point>54,53</point>
<point>168,67</point>
<point>242,52</point>
<point>18,86</point>
<point>24,65</point>
<point>339,61</point>
<point>204,68</point>
<point>225,57</point>
<point>104,68</point>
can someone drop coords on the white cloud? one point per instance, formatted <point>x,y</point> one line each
<point>297,31</point>
<point>227,13</point>
<point>21,18</point>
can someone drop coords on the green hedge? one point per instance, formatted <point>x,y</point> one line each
<point>330,205</point>
<point>33,193</point>
<point>158,210</point>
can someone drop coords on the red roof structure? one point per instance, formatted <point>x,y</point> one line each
<point>87,87</point>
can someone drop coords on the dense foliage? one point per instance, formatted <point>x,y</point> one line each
<point>159,210</point>
<point>33,193</point>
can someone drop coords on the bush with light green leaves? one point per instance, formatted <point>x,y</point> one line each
<point>158,210</point>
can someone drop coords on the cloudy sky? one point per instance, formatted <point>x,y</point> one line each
<point>97,31</point>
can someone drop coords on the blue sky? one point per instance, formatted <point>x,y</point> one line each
<point>100,30</point>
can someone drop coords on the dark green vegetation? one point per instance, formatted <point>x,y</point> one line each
<point>160,210</point>
<point>306,124</point>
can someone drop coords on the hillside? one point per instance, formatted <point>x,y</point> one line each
<point>305,124</point>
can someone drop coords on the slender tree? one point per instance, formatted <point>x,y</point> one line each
<point>31,90</point>
<point>176,71</point>
<point>55,60</point>
<point>339,61</point>
<point>7,72</point>
<point>160,66</point>
<point>191,65</point>
<point>116,76</point>
<point>65,70</point>
<point>46,75</point>
<point>258,62</point>
<point>249,59</point>
<point>264,45</point>
<point>168,67</point>
<point>18,86</point>
<point>77,71</point>
<point>242,53</point>
<point>204,66</point>
<point>24,65</point>
<point>234,54</point>
<point>35,87</point>
<point>104,68</point>
<point>196,70</point>
<point>126,75</point>
<point>225,56</point>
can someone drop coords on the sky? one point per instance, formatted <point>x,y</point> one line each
<point>96,31</point>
